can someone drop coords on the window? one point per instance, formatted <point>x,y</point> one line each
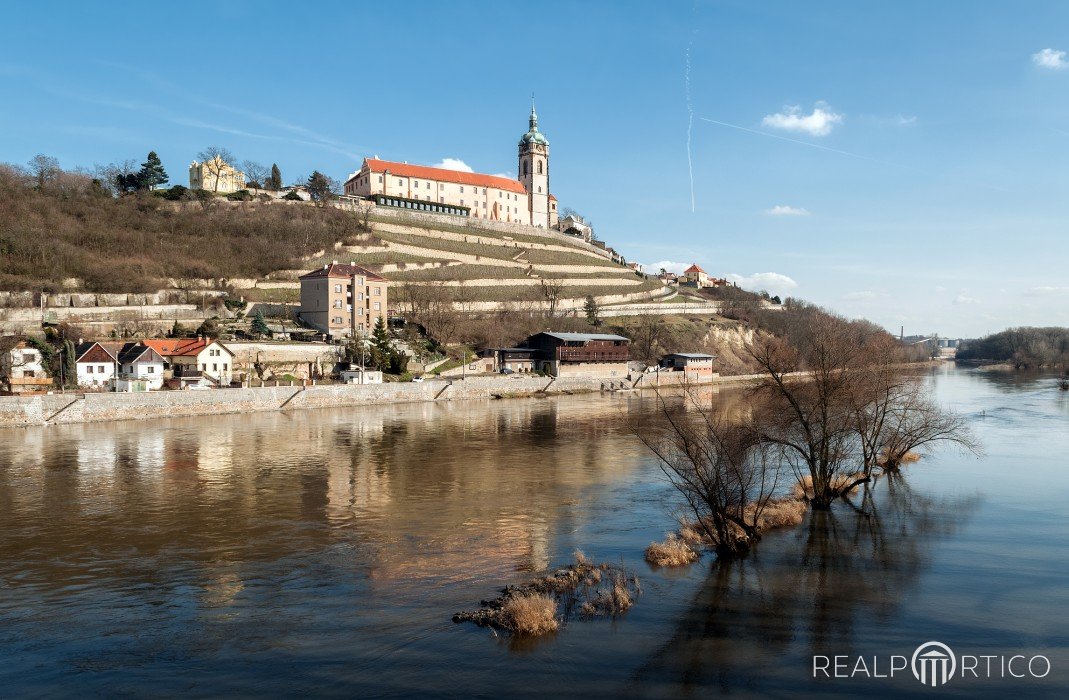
<point>415,183</point>
<point>89,370</point>
<point>484,205</point>
<point>525,169</point>
<point>462,189</point>
<point>226,367</point>
<point>360,296</point>
<point>441,200</point>
<point>215,367</point>
<point>337,303</point>
<point>400,182</point>
<point>337,288</point>
<point>428,185</point>
<point>462,202</point>
<point>540,189</point>
<point>150,369</point>
<point>100,369</point>
<point>204,367</point>
<point>539,167</point>
<point>499,194</point>
<point>378,306</point>
<point>380,179</point>
<point>378,291</point>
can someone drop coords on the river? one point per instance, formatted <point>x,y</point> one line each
<point>323,552</point>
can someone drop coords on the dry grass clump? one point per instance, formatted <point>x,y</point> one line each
<point>613,600</point>
<point>674,551</point>
<point>531,608</point>
<point>782,512</point>
<point>530,614</point>
<point>804,488</point>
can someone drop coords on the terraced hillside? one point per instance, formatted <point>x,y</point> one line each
<point>483,266</point>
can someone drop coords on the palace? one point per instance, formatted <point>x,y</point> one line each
<point>524,200</point>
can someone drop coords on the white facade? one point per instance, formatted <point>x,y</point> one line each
<point>147,372</point>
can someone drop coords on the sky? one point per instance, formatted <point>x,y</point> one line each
<point>904,162</point>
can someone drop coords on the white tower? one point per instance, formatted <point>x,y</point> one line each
<point>534,171</point>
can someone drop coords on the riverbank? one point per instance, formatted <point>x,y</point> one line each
<point>61,409</point>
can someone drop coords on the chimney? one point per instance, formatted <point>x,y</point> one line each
<point>325,266</point>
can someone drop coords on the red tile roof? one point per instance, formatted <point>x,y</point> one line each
<point>425,172</point>
<point>343,270</point>
<point>694,268</point>
<point>553,197</point>
<point>179,347</point>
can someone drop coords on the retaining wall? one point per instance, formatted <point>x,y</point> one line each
<point>59,409</point>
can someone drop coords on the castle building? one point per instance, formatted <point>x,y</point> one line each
<point>525,200</point>
<point>215,175</point>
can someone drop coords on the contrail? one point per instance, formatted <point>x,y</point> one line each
<point>804,143</point>
<point>690,123</point>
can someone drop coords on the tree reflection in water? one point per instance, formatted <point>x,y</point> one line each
<point>756,622</point>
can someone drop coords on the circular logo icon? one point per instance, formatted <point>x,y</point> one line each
<point>934,663</point>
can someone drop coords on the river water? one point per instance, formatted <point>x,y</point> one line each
<point>324,552</point>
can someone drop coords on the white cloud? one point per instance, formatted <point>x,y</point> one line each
<point>676,267</point>
<point>786,210</point>
<point>1050,58</point>
<point>818,123</point>
<point>454,164</point>
<point>965,299</point>
<point>1047,291</point>
<point>940,289</point>
<point>772,282</point>
<point>902,120</point>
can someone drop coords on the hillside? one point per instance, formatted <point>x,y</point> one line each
<point>68,233</point>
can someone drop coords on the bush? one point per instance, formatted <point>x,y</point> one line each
<point>530,614</point>
<point>240,196</point>
<point>292,196</point>
<point>672,552</point>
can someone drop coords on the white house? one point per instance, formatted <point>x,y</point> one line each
<point>97,364</point>
<point>140,368</point>
<point>22,370</point>
<point>188,356</point>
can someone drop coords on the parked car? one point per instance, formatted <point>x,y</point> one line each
<point>417,379</point>
<point>506,370</point>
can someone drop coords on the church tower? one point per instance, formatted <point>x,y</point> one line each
<point>534,171</point>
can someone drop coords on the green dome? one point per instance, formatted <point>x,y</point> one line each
<point>534,136</point>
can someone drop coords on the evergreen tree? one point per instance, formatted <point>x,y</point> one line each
<point>380,337</point>
<point>592,311</point>
<point>320,187</point>
<point>70,363</point>
<point>274,183</point>
<point>259,325</point>
<point>152,173</point>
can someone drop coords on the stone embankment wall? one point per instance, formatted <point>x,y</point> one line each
<point>57,409</point>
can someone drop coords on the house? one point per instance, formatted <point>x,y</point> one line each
<point>696,366</point>
<point>696,276</point>
<point>668,277</point>
<point>575,225</point>
<point>360,375</point>
<point>140,368</point>
<point>343,300</point>
<point>97,364</point>
<point>215,175</point>
<point>581,354</point>
<point>196,361</point>
<point>22,369</point>
<point>519,360</point>
<point>637,267</point>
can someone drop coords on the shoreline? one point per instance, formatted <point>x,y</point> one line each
<point>66,409</point>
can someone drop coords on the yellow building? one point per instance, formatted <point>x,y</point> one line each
<point>342,300</point>
<point>525,200</point>
<point>215,175</point>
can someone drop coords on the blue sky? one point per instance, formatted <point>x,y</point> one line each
<point>907,162</point>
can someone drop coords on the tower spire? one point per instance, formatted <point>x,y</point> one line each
<point>534,115</point>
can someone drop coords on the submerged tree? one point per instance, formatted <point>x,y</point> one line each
<point>723,468</point>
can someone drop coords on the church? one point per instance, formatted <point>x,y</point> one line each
<point>525,200</point>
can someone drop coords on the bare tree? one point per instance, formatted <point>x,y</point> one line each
<point>256,174</point>
<point>215,160</point>
<point>915,421</point>
<point>648,336</point>
<point>45,169</point>
<point>551,291</point>
<point>724,470</point>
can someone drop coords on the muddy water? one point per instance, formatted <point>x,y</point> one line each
<point>323,553</point>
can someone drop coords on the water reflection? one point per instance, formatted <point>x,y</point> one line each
<point>802,593</point>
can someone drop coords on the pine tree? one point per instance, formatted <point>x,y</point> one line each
<point>274,183</point>
<point>591,310</point>
<point>70,363</point>
<point>259,325</point>
<point>320,188</point>
<point>152,173</point>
